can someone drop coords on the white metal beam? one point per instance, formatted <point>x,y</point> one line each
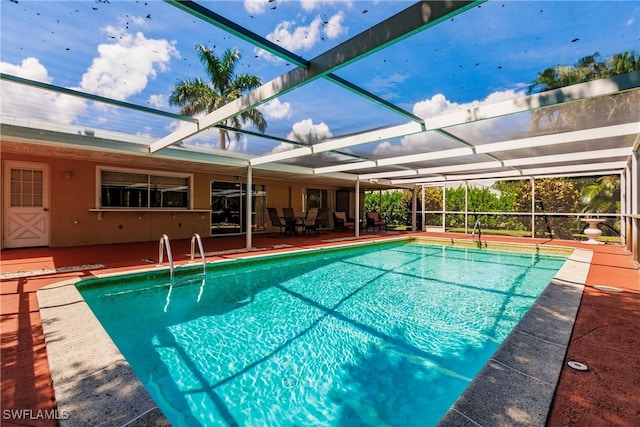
<point>393,174</point>
<point>570,157</point>
<point>282,155</point>
<point>580,169</point>
<point>585,90</point>
<point>528,161</point>
<point>413,19</point>
<point>517,144</point>
<point>342,167</point>
<point>460,168</point>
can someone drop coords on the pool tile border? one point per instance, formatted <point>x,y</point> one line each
<point>94,384</point>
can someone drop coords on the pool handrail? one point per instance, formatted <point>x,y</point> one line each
<point>164,241</point>
<point>477,224</point>
<point>196,238</point>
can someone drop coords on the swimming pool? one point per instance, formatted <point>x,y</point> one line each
<point>349,337</point>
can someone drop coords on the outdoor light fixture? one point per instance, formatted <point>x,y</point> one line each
<point>67,174</point>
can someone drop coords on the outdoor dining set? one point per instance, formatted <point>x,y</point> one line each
<point>289,223</point>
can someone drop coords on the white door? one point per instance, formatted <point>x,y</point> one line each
<point>25,205</point>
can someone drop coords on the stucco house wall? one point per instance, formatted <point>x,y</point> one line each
<point>75,221</point>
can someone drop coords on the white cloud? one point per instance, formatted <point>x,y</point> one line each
<point>295,38</point>
<point>632,19</point>
<point>304,130</point>
<point>158,101</point>
<point>20,100</point>
<point>334,27</point>
<point>238,145</point>
<point>385,85</point>
<point>123,69</point>
<point>137,20</point>
<point>309,5</point>
<point>256,7</point>
<point>298,38</point>
<point>30,68</point>
<point>439,105</point>
<point>276,109</point>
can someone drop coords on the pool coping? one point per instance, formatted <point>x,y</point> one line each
<point>95,385</point>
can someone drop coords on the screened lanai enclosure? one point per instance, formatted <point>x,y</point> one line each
<point>519,117</point>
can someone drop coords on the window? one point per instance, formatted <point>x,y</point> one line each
<point>227,207</point>
<point>316,198</point>
<point>134,189</point>
<point>26,188</point>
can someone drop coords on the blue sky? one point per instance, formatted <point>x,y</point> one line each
<point>136,51</point>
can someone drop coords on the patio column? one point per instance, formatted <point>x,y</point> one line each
<point>248,215</point>
<point>357,221</point>
<point>414,202</point>
<point>635,204</point>
<point>423,216</point>
<point>533,207</point>
<point>466,207</point>
<point>444,205</point>
<point>624,206</point>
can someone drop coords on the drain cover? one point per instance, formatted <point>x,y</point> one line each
<point>607,288</point>
<point>577,365</point>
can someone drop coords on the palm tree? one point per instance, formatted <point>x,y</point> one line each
<point>196,96</point>
<point>559,118</point>
<point>625,62</point>
<point>602,196</point>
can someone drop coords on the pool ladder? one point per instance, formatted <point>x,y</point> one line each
<point>164,242</point>
<point>477,225</point>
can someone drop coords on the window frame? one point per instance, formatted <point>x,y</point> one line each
<point>149,173</point>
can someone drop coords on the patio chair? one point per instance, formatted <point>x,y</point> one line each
<point>311,221</point>
<point>276,221</point>
<point>291,220</point>
<point>340,220</point>
<point>288,213</point>
<point>373,221</point>
<point>323,217</point>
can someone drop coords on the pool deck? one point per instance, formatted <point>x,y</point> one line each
<point>605,335</point>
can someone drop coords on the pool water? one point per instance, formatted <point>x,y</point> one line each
<point>377,335</point>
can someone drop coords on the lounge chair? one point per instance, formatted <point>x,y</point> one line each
<point>340,220</point>
<point>373,221</point>
<point>276,221</point>
<point>311,221</point>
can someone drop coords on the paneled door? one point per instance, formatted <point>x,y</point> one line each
<point>25,205</point>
